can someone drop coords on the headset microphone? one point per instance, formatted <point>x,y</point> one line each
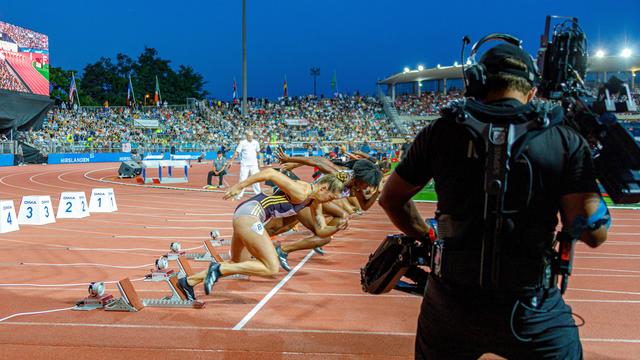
<point>465,41</point>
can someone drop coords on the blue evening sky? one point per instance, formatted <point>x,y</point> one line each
<point>362,41</point>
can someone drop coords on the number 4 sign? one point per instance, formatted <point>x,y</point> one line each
<point>73,205</point>
<point>36,210</point>
<point>8,220</point>
<point>103,200</point>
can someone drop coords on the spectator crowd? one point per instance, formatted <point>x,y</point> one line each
<point>318,124</point>
<point>25,38</point>
<point>8,80</point>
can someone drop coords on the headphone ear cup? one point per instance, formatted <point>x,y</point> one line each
<point>476,79</point>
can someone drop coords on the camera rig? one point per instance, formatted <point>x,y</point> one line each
<point>563,65</point>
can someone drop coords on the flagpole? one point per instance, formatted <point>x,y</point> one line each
<point>76,90</point>
<point>133,94</point>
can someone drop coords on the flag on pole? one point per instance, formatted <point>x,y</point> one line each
<point>285,87</point>
<point>131,97</point>
<point>334,81</point>
<point>157,98</point>
<point>235,91</point>
<point>72,88</point>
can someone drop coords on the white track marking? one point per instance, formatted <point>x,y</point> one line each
<point>214,328</point>
<point>606,291</point>
<point>199,220</point>
<point>632,341</point>
<point>602,269</point>
<point>271,293</point>
<point>145,266</point>
<point>35,313</point>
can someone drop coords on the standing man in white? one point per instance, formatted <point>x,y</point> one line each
<point>248,149</point>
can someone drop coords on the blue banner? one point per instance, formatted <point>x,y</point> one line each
<point>83,158</point>
<point>6,159</point>
<point>31,50</point>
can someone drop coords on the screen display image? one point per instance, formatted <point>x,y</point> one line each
<point>24,60</point>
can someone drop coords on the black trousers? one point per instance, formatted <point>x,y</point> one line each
<point>220,176</point>
<point>456,324</point>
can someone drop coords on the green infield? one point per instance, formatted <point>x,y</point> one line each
<point>44,70</point>
<point>429,194</point>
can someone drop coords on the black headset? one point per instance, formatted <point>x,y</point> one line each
<point>475,74</point>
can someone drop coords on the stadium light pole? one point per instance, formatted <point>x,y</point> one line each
<point>314,72</point>
<point>244,58</point>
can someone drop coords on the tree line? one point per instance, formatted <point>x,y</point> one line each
<point>107,80</point>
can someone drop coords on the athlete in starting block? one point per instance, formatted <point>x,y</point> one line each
<point>249,235</point>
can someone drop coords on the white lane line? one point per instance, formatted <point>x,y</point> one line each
<point>608,275</point>
<point>604,269</point>
<point>160,237</point>
<point>271,293</point>
<point>335,270</point>
<point>610,257</point>
<point>606,291</point>
<point>176,327</point>
<point>633,341</point>
<point>199,220</point>
<point>189,227</point>
<point>604,301</point>
<point>207,214</point>
<point>604,253</point>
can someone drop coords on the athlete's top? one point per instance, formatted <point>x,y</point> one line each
<point>277,205</point>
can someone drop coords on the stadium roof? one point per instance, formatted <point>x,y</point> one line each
<point>602,64</point>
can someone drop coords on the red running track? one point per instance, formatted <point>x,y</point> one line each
<point>318,313</point>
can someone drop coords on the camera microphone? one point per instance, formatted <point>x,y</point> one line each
<point>465,41</point>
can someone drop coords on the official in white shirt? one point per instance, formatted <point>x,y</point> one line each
<point>248,149</point>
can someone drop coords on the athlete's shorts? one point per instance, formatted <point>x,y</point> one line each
<point>251,208</point>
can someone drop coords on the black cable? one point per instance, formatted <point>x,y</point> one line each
<point>519,338</point>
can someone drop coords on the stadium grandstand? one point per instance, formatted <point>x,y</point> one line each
<point>165,229</point>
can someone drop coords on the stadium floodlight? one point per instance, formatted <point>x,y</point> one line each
<point>420,67</point>
<point>455,63</point>
<point>600,53</point>
<point>406,69</point>
<point>420,83</point>
<point>438,66</point>
<point>626,52</point>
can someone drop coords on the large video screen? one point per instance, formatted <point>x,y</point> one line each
<point>24,60</point>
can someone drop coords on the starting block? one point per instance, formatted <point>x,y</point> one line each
<point>130,301</point>
<point>97,299</point>
<point>103,200</point>
<point>8,220</point>
<point>183,260</point>
<point>36,210</point>
<point>73,205</point>
<point>210,253</point>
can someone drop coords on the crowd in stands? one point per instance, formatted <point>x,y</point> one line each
<point>218,124</point>
<point>25,38</point>
<point>8,81</point>
<point>427,104</point>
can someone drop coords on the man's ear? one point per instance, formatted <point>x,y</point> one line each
<point>532,93</point>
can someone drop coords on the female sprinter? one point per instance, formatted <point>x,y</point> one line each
<point>363,182</point>
<point>249,235</point>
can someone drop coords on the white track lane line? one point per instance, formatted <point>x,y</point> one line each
<point>271,293</point>
<point>606,291</point>
<point>274,330</point>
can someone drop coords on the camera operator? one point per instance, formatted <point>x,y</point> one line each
<point>521,318</point>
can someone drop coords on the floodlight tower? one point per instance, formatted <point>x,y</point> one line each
<point>244,58</point>
<point>314,72</point>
